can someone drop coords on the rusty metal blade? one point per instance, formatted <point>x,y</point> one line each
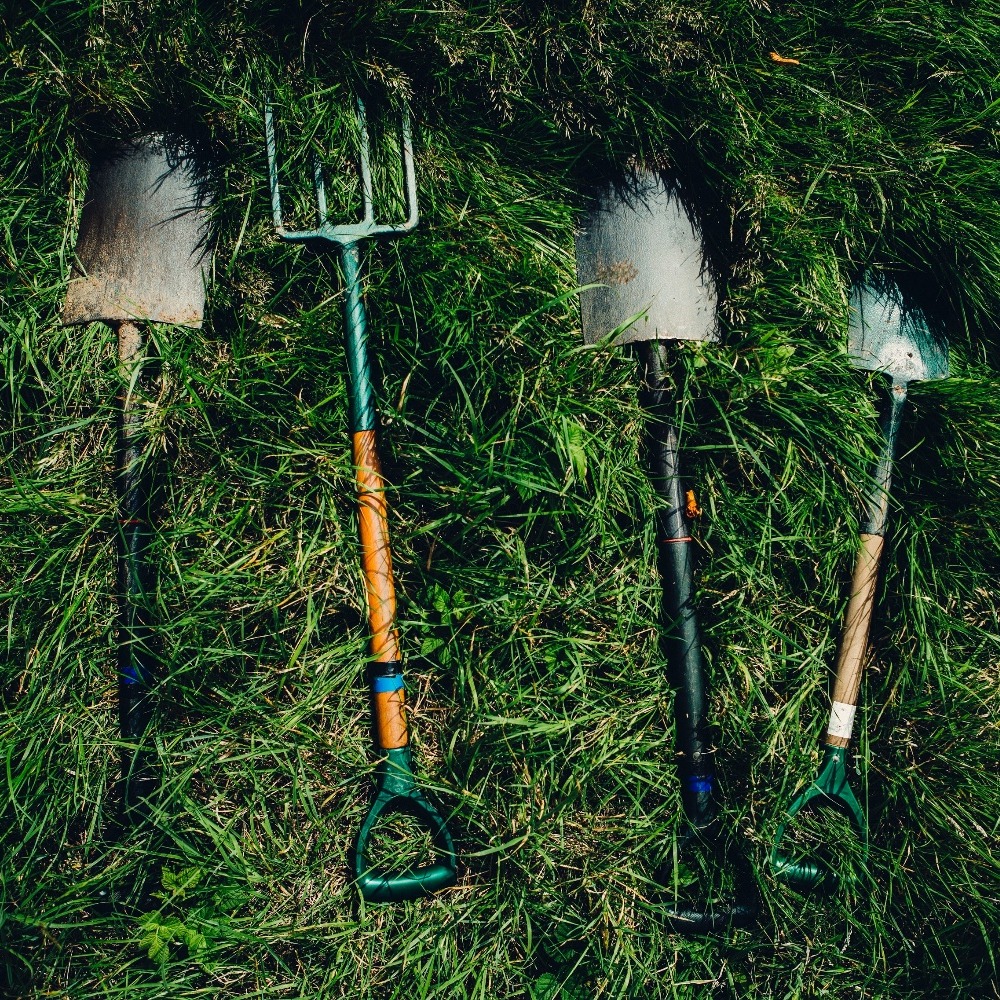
<point>884,336</point>
<point>143,252</point>
<point>641,246</point>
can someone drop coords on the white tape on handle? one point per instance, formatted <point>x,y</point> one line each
<point>841,720</point>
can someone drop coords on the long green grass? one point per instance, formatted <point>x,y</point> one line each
<point>522,517</point>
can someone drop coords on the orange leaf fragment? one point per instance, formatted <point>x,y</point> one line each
<point>691,508</point>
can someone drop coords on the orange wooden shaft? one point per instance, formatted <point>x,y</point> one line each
<point>380,590</point>
<point>391,731</point>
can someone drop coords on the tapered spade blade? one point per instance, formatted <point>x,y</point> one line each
<point>884,336</point>
<point>643,248</point>
<point>143,252</point>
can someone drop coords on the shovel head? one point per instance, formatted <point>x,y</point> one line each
<point>884,336</point>
<point>143,251</point>
<point>643,251</point>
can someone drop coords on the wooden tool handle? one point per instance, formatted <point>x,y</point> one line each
<point>389,721</point>
<point>858,620</point>
<point>376,557</point>
<point>388,707</point>
<point>386,671</point>
<point>854,642</point>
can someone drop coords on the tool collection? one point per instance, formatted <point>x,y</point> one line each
<point>144,256</point>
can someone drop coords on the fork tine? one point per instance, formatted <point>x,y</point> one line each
<point>412,214</point>
<point>366,227</point>
<point>272,165</point>
<point>366,167</point>
<point>319,185</point>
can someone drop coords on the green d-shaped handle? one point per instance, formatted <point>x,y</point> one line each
<point>398,793</point>
<point>829,790</point>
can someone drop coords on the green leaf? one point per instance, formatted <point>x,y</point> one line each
<point>157,949</point>
<point>230,898</point>
<point>551,987</point>
<point>188,878</point>
<point>195,941</point>
<point>430,644</point>
<point>171,927</point>
<point>439,598</point>
<point>574,438</point>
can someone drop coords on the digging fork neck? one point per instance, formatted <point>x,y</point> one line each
<point>326,234</point>
<point>362,393</point>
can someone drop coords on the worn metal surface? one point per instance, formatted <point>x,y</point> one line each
<point>143,252</point>
<point>643,248</point>
<point>884,336</point>
<point>346,234</point>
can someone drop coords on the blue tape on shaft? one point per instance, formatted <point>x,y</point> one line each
<point>382,684</point>
<point>699,783</point>
<point>132,674</point>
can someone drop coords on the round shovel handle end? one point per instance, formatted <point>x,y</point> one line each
<point>805,876</point>
<point>385,887</point>
<point>398,793</point>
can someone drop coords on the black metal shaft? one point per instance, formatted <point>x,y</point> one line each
<point>681,637</point>
<point>136,657</point>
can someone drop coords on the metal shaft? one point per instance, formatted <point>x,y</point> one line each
<point>877,501</point>
<point>135,580</point>
<point>681,634</point>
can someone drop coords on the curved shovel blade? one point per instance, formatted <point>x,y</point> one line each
<point>643,247</point>
<point>884,336</point>
<point>143,252</point>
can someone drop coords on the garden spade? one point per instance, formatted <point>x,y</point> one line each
<point>397,790</point>
<point>883,336</point>
<point>142,256</point>
<point>641,250</point>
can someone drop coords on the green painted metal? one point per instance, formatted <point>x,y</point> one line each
<point>398,793</point>
<point>359,373</point>
<point>396,788</point>
<point>367,227</point>
<point>346,240</point>
<point>883,335</point>
<point>829,790</point>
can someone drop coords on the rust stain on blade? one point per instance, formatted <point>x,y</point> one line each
<point>143,252</point>
<point>644,253</point>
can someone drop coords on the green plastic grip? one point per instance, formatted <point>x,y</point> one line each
<point>398,793</point>
<point>829,790</point>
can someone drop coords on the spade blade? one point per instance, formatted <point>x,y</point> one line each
<point>143,252</point>
<point>884,336</point>
<point>640,246</point>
